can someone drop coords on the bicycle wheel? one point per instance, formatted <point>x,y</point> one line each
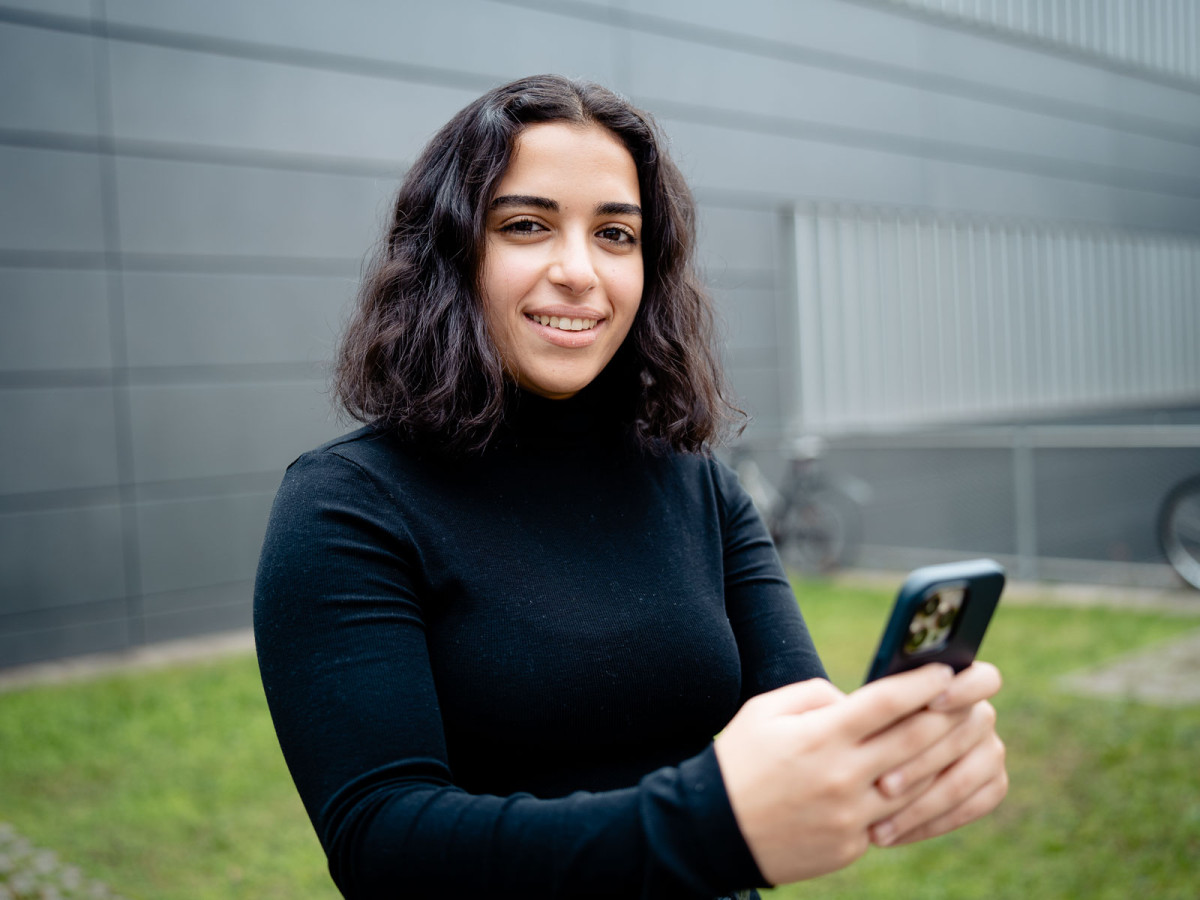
<point>1179,530</point>
<point>810,535</point>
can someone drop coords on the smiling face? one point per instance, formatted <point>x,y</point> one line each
<point>562,267</point>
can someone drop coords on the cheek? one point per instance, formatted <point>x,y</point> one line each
<point>507,277</point>
<point>625,284</point>
<point>498,286</point>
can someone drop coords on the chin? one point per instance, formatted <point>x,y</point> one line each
<point>556,388</point>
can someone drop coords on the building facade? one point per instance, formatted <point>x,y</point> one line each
<point>913,215</point>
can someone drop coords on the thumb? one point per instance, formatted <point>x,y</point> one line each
<point>799,697</point>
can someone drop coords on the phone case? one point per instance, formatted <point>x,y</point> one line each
<point>940,615</point>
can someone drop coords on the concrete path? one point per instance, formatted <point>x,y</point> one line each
<point>29,871</point>
<point>148,656</point>
<point>1167,674</point>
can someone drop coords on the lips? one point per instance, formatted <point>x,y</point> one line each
<point>570,332</point>
<point>565,323</point>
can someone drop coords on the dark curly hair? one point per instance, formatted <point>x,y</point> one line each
<point>417,356</point>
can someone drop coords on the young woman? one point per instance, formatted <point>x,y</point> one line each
<point>499,625</point>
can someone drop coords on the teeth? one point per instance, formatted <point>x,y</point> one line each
<point>564,324</point>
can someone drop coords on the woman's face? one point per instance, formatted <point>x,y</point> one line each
<point>562,268</point>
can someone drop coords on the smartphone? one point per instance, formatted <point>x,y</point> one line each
<point>940,615</point>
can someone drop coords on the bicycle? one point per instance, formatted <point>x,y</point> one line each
<point>1179,529</point>
<point>815,519</point>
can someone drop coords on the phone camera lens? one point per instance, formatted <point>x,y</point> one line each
<point>915,640</point>
<point>931,604</point>
<point>945,619</point>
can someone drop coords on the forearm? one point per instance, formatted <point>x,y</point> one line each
<point>672,835</point>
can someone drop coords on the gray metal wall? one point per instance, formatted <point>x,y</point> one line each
<point>907,319</point>
<point>187,191</point>
<point>1160,37</point>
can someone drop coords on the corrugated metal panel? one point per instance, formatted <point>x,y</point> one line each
<point>1163,35</point>
<point>908,318</point>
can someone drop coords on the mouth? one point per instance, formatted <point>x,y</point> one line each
<point>563,323</point>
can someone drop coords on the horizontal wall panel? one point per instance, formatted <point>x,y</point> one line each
<point>750,317</point>
<point>202,100</point>
<point>54,320</point>
<point>192,208</point>
<point>185,614</point>
<point>465,35</point>
<point>59,641</point>
<point>935,499</point>
<point>737,238</point>
<point>192,319</point>
<point>64,616</point>
<point>51,201</point>
<point>78,8</point>
<point>725,159</point>
<point>717,82</point>
<point>157,606</point>
<point>198,431</point>
<point>188,544</point>
<point>62,557</point>
<point>62,67</point>
<point>1083,512</point>
<point>57,439</point>
<point>861,38</point>
<point>954,186</point>
<point>715,158</point>
<point>756,391</point>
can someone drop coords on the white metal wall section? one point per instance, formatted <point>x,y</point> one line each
<point>1157,35</point>
<point>908,319</point>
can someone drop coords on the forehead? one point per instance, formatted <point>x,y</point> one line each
<point>557,159</point>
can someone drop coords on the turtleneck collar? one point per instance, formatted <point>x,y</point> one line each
<point>594,415</point>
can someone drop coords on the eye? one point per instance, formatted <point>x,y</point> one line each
<point>523,226</point>
<point>617,234</point>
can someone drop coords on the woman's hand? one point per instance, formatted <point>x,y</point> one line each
<point>958,780</point>
<point>803,766</point>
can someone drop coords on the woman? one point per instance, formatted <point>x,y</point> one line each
<point>499,625</point>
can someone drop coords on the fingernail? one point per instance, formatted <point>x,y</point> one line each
<point>891,783</point>
<point>885,833</point>
<point>941,700</point>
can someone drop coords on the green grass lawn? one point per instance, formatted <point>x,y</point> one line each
<point>169,784</point>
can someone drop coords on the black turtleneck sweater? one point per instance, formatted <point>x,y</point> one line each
<point>500,676</point>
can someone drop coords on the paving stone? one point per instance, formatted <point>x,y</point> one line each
<point>1165,675</point>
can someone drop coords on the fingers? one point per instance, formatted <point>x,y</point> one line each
<point>979,681</point>
<point>800,810</point>
<point>968,789</point>
<point>975,807</point>
<point>877,706</point>
<point>797,698</point>
<point>969,728</point>
<point>908,743</point>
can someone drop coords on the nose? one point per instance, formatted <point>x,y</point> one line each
<point>572,266</point>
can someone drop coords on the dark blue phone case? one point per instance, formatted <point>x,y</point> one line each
<point>983,581</point>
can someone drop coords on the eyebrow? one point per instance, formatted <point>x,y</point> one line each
<point>619,209</point>
<point>525,200</point>
<point>610,208</point>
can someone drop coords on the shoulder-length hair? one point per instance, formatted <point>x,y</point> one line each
<point>416,355</point>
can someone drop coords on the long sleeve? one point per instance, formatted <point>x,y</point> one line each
<point>343,619</point>
<point>773,641</point>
